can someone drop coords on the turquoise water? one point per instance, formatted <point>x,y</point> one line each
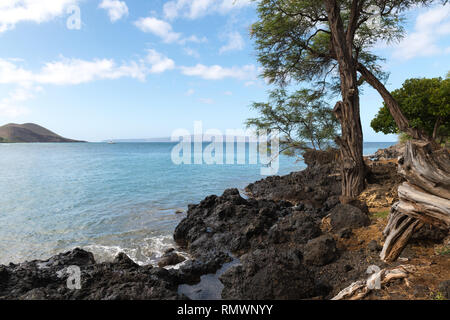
<point>105,198</point>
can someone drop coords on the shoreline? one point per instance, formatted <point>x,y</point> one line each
<point>291,236</point>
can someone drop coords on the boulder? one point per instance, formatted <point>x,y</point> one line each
<point>170,259</point>
<point>348,216</point>
<point>320,251</point>
<point>374,246</point>
<point>269,274</point>
<point>121,279</point>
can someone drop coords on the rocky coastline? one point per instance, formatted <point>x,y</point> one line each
<point>287,238</point>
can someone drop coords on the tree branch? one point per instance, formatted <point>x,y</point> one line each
<point>394,109</point>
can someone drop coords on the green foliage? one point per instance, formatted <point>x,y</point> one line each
<point>301,118</point>
<point>424,102</point>
<point>438,296</point>
<point>445,250</point>
<point>381,214</point>
<point>403,138</point>
<point>293,38</point>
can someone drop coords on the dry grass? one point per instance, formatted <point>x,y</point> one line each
<point>432,263</point>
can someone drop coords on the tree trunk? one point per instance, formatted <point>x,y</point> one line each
<point>353,169</point>
<point>424,198</point>
<point>436,128</point>
<point>394,109</point>
<point>347,111</point>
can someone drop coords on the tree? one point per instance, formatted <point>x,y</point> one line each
<point>329,41</point>
<point>303,118</point>
<point>425,103</point>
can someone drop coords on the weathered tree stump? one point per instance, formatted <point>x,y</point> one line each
<point>424,198</point>
<point>398,231</point>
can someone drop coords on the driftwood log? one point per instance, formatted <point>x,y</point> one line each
<point>359,289</point>
<point>424,198</point>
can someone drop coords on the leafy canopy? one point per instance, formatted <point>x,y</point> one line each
<point>303,118</point>
<point>424,102</point>
<point>293,38</point>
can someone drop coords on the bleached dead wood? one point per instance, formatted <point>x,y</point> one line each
<point>359,289</point>
<point>424,206</point>
<point>398,231</point>
<point>427,167</point>
<point>424,198</point>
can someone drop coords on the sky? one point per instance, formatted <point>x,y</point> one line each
<point>107,69</point>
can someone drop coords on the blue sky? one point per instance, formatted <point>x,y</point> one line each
<point>141,69</point>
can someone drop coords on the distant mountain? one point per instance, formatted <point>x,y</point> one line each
<point>29,132</point>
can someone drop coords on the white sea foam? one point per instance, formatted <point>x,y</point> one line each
<point>149,251</point>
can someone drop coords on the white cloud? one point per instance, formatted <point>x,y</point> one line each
<point>228,93</point>
<point>159,28</point>
<point>11,106</point>
<point>76,71</point>
<point>15,11</point>
<point>71,72</point>
<point>217,72</point>
<point>190,92</point>
<point>194,9</point>
<point>235,43</point>
<point>11,110</point>
<point>116,9</point>
<point>11,73</point>
<point>193,39</point>
<point>424,41</point>
<point>159,63</point>
<point>164,30</point>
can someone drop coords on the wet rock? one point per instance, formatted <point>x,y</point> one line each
<point>348,216</point>
<point>76,257</point>
<point>170,259</point>
<point>218,226</point>
<point>191,271</point>
<point>125,261</point>
<point>120,279</point>
<point>34,294</point>
<point>3,274</point>
<point>320,251</point>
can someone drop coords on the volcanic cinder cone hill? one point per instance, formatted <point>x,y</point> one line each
<point>29,132</point>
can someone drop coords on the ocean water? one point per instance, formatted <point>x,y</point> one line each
<point>105,198</point>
